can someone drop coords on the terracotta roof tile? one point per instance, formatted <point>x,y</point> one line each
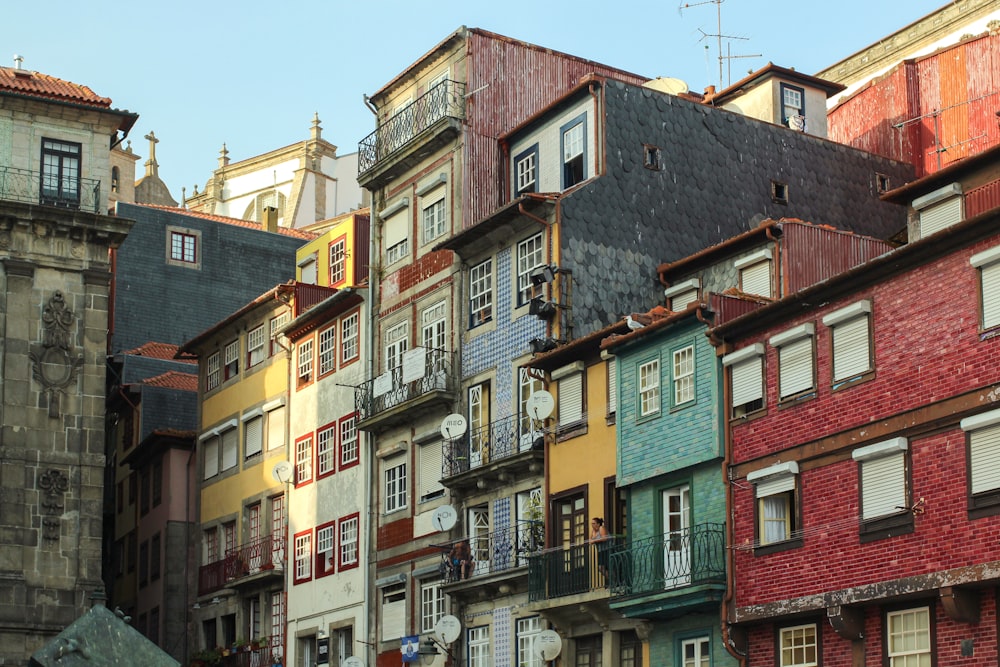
<point>249,224</point>
<point>174,380</point>
<point>36,84</point>
<point>156,351</point>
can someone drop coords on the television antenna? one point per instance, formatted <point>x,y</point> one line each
<point>719,36</point>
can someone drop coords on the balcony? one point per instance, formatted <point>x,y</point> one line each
<point>33,187</point>
<point>424,379</point>
<point>500,559</point>
<point>669,575</point>
<point>258,559</point>
<point>571,570</point>
<point>499,450</point>
<point>411,134</point>
<point>212,577</point>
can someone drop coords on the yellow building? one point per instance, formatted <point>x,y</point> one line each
<point>338,257</point>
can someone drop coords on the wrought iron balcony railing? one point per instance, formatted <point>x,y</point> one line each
<point>34,187</point>
<point>499,551</point>
<point>212,577</point>
<point>423,370</point>
<point>444,100</point>
<point>263,553</point>
<point>680,558</point>
<point>569,570</point>
<point>497,440</point>
<point>248,656</point>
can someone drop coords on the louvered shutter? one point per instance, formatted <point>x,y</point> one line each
<point>756,279</point>
<point>775,484</point>
<point>230,449</point>
<point>682,300</point>
<point>393,620</point>
<point>851,343</point>
<point>396,228</point>
<point>430,469</point>
<point>253,433</point>
<point>276,428</point>
<point>747,381</point>
<point>571,399</point>
<point>937,217</point>
<point>883,485</point>
<point>991,294</point>
<point>984,459</point>
<point>211,457</point>
<point>795,367</point>
<point>612,387</point>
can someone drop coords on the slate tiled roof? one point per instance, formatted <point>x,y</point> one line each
<point>174,380</point>
<point>35,84</point>
<point>156,351</point>
<point>249,224</point>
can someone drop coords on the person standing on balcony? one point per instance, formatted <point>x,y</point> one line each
<point>461,559</point>
<point>599,536</point>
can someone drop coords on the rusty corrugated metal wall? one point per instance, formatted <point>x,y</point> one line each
<point>362,236</point>
<point>508,82</point>
<point>930,111</point>
<point>820,253</point>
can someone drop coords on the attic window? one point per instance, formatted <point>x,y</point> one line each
<point>651,157</point>
<point>881,183</point>
<point>779,192</point>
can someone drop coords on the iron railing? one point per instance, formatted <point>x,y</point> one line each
<point>499,551</point>
<point>412,379</point>
<point>248,656</point>
<point>497,440</point>
<point>263,553</point>
<point>212,577</point>
<point>444,100</point>
<point>569,570</point>
<point>680,558</point>
<point>34,187</point>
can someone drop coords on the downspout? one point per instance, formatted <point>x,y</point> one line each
<point>599,113</point>
<point>374,299</point>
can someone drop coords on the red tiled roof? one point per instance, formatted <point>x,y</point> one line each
<point>36,84</point>
<point>156,351</point>
<point>249,224</point>
<point>174,380</point>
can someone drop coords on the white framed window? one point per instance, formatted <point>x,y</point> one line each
<point>326,450</point>
<point>304,460</point>
<point>305,358</point>
<point>213,371</point>
<point>183,247</point>
<point>792,104</point>
<point>852,336</point>
<point>396,230</point>
<point>433,220</point>
<point>275,326</point>
<point>528,630</point>
<point>308,272</point>
<point>433,605</point>
<point>349,338</point>
<point>434,326</point>
<point>649,388</point>
<point>324,548</point>
<point>683,375</point>
<point>230,447</point>
<point>348,441</point>
<point>696,652</point>
<point>530,254</point>
<point>988,265</point>
<point>232,360</point>
<point>526,171</point>
<point>939,209</point>
<point>746,370</point>
<point>253,436</point>
<point>882,473</point>
<point>756,273</point>
<point>395,484</point>
<point>478,641</point>
<point>349,542</point>
<point>481,293</point>
<point>775,494</point>
<point>908,637</point>
<point>276,428</point>
<point>396,343</point>
<point>328,350</point>
<point>255,346</point>
<point>798,646</point>
<point>338,261</point>
<point>527,384</point>
<point>796,374</point>
<point>982,434</point>
<point>211,462</point>
<point>683,294</point>
<point>303,556</point>
<point>573,139</point>
<point>393,611</point>
<point>430,471</point>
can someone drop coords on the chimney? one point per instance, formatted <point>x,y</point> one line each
<point>18,61</point>
<point>270,219</point>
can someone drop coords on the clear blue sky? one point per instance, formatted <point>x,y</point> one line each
<point>252,73</point>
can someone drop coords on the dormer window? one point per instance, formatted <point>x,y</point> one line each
<point>526,171</point>
<point>939,209</point>
<point>793,107</point>
<point>755,274</point>
<point>573,136</point>
<point>681,295</point>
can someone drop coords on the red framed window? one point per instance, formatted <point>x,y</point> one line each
<point>326,549</point>
<point>326,450</point>
<point>304,460</point>
<point>347,533</point>
<point>349,455</point>
<point>303,557</point>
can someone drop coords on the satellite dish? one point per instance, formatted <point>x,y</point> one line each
<point>354,661</point>
<point>444,517</point>
<point>447,629</point>
<point>548,645</point>
<point>282,472</point>
<point>540,404</point>
<point>453,426</point>
<point>667,84</point>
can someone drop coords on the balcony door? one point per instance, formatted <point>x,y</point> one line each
<point>677,537</point>
<point>479,424</point>
<point>527,430</point>
<point>251,547</point>
<point>60,172</point>
<point>572,568</point>
<point>277,530</point>
<point>479,538</point>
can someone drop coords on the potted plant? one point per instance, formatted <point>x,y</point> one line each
<point>259,643</point>
<point>240,645</point>
<point>206,658</point>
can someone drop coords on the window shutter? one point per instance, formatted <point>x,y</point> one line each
<point>395,228</point>
<point>937,217</point>
<point>796,368</point>
<point>756,279</point>
<point>612,387</point>
<point>991,294</point>
<point>571,399</point>
<point>393,620</point>
<point>851,348</point>
<point>747,381</point>
<point>682,300</point>
<point>775,484</point>
<point>230,449</point>
<point>430,469</point>
<point>211,457</point>
<point>253,433</point>
<point>309,273</point>
<point>883,485</point>
<point>984,459</point>
<point>276,428</point>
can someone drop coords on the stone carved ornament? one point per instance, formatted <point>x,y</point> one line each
<point>54,362</point>
<point>53,484</point>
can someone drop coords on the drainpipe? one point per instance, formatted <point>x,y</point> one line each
<point>374,299</point>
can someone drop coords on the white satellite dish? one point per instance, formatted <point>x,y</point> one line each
<point>540,404</point>
<point>447,629</point>
<point>667,84</point>
<point>444,517</point>
<point>548,644</point>
<point>282,472</point>
<point>453,426</point>
<point>354,661</point>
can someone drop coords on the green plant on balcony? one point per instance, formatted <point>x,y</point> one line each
<point>259,642</point>
<point>206,657</point>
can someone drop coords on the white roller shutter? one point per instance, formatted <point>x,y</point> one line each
<point>851,348</point>
<point>937,217</point>
<point>795,363</point>
<point>396,228</point>
<point>991,294</point>
<point>756,279</point>
<point>775,484</point>
<point>211,457</point>
<point>612,387</point>
<point>430,469</point>
<point>276,428</point>
<point>571,399</point>
<point>230,449</point>
<point>682,300</point>
<point>748,381</point>
<point>253,433</point>
<point>984,459</point>
<point>883,485</point>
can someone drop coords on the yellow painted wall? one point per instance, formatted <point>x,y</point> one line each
<point>341,226</point>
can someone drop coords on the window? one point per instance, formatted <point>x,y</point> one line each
<point>433,605</point>
<point>481,293</point>
<point>795,361</point>
<point>683,375</point>
<point>529,255</point>
<point>144,491</point>
<point>349,338</point>
<point>983,442</point>
<point>395,484</point>
<point>683,294</point>
<point>651,157</point>
<point>527,384</point>
<point>746,368</point>
<point>612,386</point>
<point>649,388</point>
<point>755,273</point>
<point>939,209</point>
<point>528,630</point>
<point>255,346</point>
<point>697,652</point>
<point>307,270</point>
<point>143,563</point>
<point>573,140</point>
<point>348,441</point>
<point>526,171</point>
<point>775,494</point>
<point>432,223</point>
<point>276,324</point>
<point>60,172</point>
<point>393,611</point>
<point>211,463</point>
<point>349,542</point>
<point>229,537</point>
<point>569,380</point>
<point>183,247</point>
<point>212,372</point>
<point>908,638</point>
<point>434,326</point>
<point>115,179</point>
<point>798,646</point>
<point>396,343</point>
<point>276,428</point>
<point>852,356</point>
<point>305,365</point>
<point>779,192</point>
<point>210,541</point>
<point>338,261</point>
<point>430,471</point>
<point>326,450</point>
<point>157,483</point>
<point>154,557</point>
<point>327,350</point>
<point>232,360</point>
<point>988,264</point>
<point>303,460</point>
<point>792,104</point>
<point>326,558</point>
<point>396,230</point>
<point>230,447</point>
<point>253,436</point>
<point>882,477</point>
<point>479,647</point>
<point>303,556</point>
